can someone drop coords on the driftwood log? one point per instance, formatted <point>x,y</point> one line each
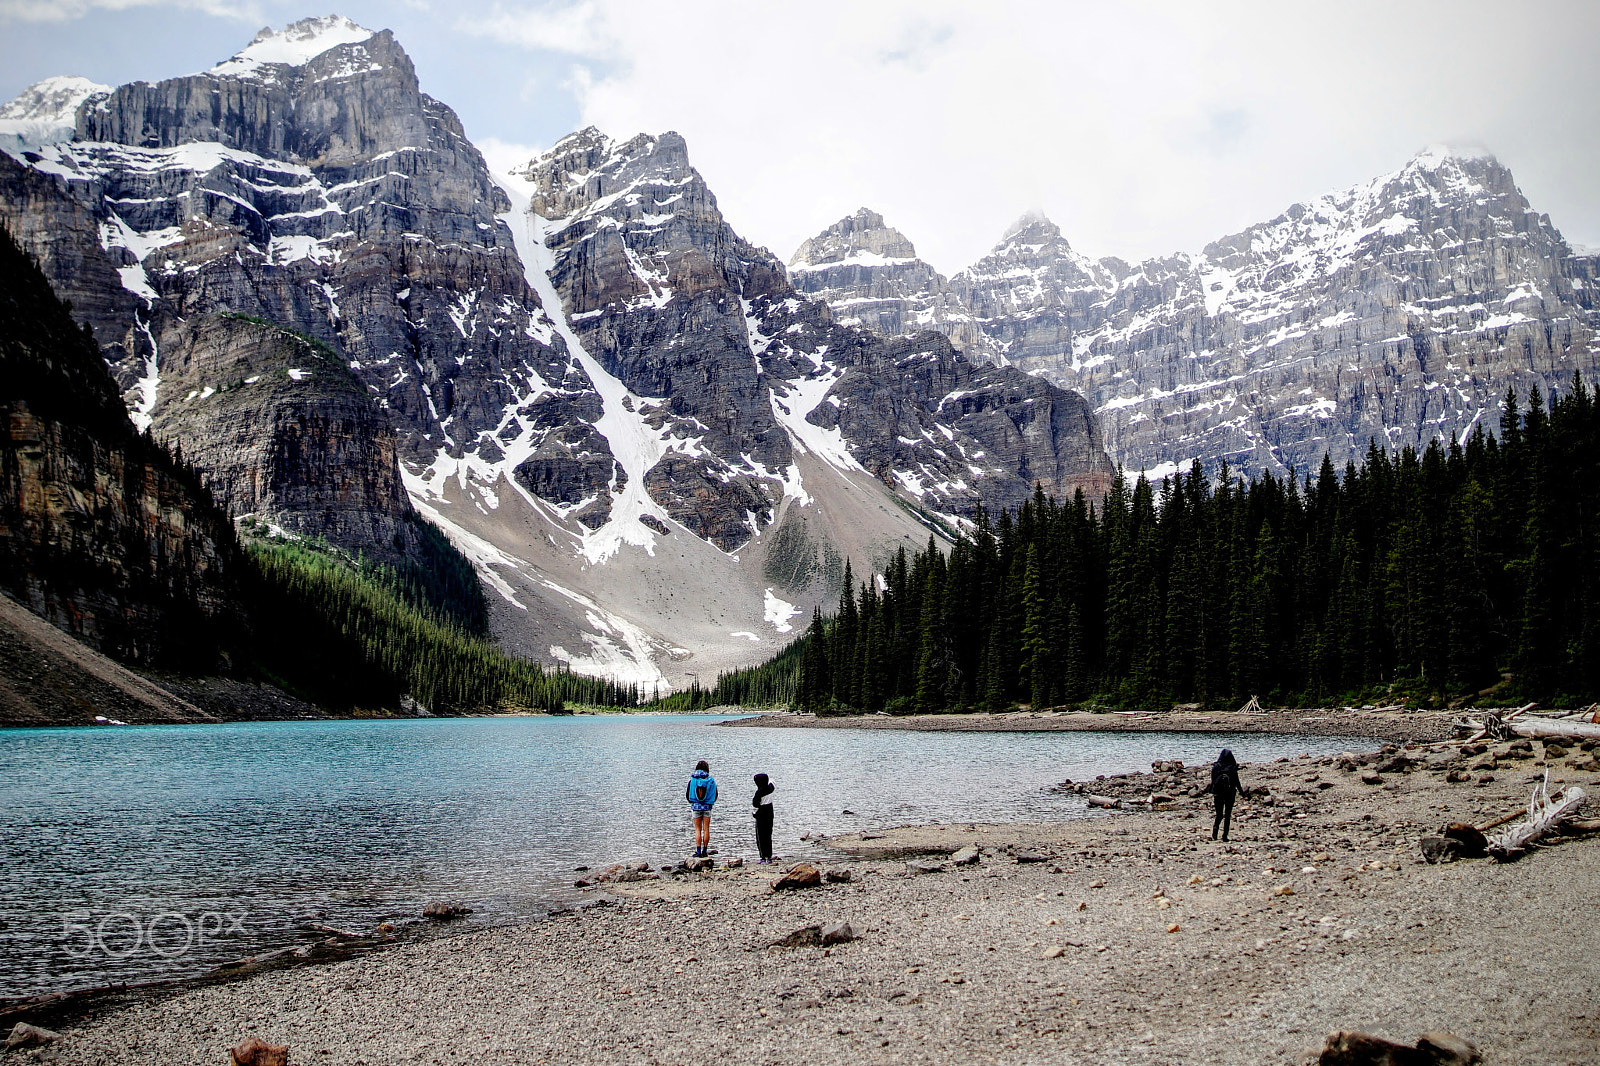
<point>1545,812</point>
<point>1557,727</point>
<point>1580,726</point>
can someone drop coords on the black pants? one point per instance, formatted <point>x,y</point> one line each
<point>1224,817</point>
<point>764,830</point>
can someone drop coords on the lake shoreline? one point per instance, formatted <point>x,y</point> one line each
<point>1394,725</point>
<point>1318,916</point>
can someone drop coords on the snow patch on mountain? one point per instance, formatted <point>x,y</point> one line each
<point>618,649</point>
<point>45,113</point>
<point>778,612</point>
<point>635,444</point>
<point>295,45</point>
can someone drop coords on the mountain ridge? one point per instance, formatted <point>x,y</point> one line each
<point>652,447</point>
<point>1367,300</point>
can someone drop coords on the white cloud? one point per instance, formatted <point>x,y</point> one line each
<point>503,155</point>
<point>1140,128</point>
<point>67,10</point>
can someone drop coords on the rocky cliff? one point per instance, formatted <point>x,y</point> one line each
<point>1398,310</point>
<point>666,296</point>
<point>310,184</point>
<point>101,533</point>
<point>870,275</point>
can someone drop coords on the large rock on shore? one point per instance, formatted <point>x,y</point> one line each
<point>800,875</point>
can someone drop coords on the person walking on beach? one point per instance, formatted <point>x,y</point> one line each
<point>702,796</point>
<point>1224,788</point>
<point>763,805</point>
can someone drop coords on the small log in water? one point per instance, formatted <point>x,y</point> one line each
<point>1545,812</point>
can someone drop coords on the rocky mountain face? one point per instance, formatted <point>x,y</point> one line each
<point>656,451</point>
<point>870,275</point>
<point>662,292</point>
<point>101,533</point>
<point>306,183</point>
<point>1399,310</point>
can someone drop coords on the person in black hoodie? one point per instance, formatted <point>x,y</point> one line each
<point>1224,788</point>
<point>763,805</point>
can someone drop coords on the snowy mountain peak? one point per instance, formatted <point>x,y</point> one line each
<point>591,172</point>
<point>1032,224</point>
<point>1436,155</point>
<point>295,45</point>
<point>53,100</point>
<point>44,113</point>
<point>862,237</point>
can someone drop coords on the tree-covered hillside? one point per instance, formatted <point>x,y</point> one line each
<point>1434,576</point>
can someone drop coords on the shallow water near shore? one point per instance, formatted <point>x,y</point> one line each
<point>143,852</point>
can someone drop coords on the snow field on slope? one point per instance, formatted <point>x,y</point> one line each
<point>635,445</point>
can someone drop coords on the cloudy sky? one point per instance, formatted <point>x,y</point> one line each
<point>1141,128</point>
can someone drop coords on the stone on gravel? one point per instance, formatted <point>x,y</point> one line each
<point>443,911</point>
<point>837,877</point>
<point>1473,844</point>
<point>1364,1049</point>
<point>966,855</point>
<point>1448,1049</point>
<point>25,1035</point>
<point>254,1051</point>
<point>808,937</point>
<point>837,933</point>
<point>620,872</point>
<point>925,867</point>
<point>800,875</point>
<point>699,862</point>
<point>1371,779</point>
<point>1028,856</point>
<point>1439,849</point>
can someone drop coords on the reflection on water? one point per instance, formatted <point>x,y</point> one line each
<point>232,833</point>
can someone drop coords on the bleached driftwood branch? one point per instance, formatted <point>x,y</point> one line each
<point>1558,727</point>
<point>1545,812</point>
<point>1493,726</point>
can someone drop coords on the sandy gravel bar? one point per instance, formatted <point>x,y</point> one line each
<point>1394,725</point>
<point>1064,960</point>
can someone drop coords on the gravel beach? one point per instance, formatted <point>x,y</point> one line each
<point>1125,937</point>
<point>1391,723</point>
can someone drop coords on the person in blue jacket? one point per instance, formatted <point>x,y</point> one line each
<point>702,796</point>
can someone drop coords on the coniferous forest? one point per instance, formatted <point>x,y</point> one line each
<point>1469,571</point>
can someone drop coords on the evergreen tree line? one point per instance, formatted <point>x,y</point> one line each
<point>331,632</point>
<point>769,684</point>
<point>1463,571</point>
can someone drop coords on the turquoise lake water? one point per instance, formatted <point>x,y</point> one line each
<point>227,835</point>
